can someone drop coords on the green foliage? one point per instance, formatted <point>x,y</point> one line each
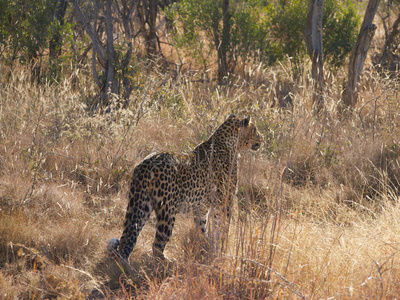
<point>340,27</point>
<point>250,33</point>
<point>262,31</point>
<point>341,23</point>
<point>25,26</point>
<point>65,32</point>
<point>3,21</point>
<point>288,19</point>
<point>126,69</point>
<point>198,30</point>
<point>197,25</point>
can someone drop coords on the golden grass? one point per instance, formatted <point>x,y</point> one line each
<point>317,213</point>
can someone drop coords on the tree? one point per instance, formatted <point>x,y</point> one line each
<point>229,31</point>
<point>211,18</point>
<point>147,13</point>
<point>388,59</point>
<point>314,49</point>
<point>55,43</point>
<point>359,54</point>
<point>339,31</point>
<point>104,52</point>
<point>125,10</point>
<point>224,42</point>
<point>390,40</point>
<point>24,32</point>
<point>105,56</point>
<point>288,23</point>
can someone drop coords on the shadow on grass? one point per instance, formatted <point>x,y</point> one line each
<point>131,278</point>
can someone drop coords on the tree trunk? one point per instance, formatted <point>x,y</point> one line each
<point>147,14</point>
<point>111,85</point>
<point>91,33</point>
<point>359,54</point>
<point>105,58</point>
<point>149,17</point>
<point>390,41</point>
<point>55,43</point>
<point>224,42</point>
<point>126,14</point>
<point>314,49</point>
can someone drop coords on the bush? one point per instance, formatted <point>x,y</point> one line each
<point>340,23</point>
<point>198,30</point>
<point>340,28</point>
<point>25,27</point>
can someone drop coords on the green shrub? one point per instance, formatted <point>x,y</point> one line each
<point>198,30</point>
<point>261,31</point>
<point>340,28</point>
<point>25,27</point>
<point>341,23</point>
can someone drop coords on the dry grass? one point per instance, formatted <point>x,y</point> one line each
<point>317,213</point>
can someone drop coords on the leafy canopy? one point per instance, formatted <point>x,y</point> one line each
<point>261,30</point>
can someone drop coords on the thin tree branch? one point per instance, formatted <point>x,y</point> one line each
<point>91,34</point>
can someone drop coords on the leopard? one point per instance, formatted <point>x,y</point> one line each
<point>168,183</point>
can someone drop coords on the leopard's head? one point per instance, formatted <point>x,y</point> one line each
<point>238,134</point>
<point>249,137</point>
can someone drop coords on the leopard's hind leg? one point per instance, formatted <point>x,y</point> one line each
<point>164,226</point>
<point>137,214</point>
<point>165,207</point>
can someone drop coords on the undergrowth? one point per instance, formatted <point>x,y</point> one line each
<point>316,216</point>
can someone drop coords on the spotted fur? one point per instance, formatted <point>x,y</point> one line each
<point>168,183</point>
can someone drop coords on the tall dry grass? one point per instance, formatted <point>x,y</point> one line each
<point>317,214</point>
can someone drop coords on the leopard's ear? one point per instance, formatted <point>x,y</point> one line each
<point>245,122</point>
<point>231,116</point>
